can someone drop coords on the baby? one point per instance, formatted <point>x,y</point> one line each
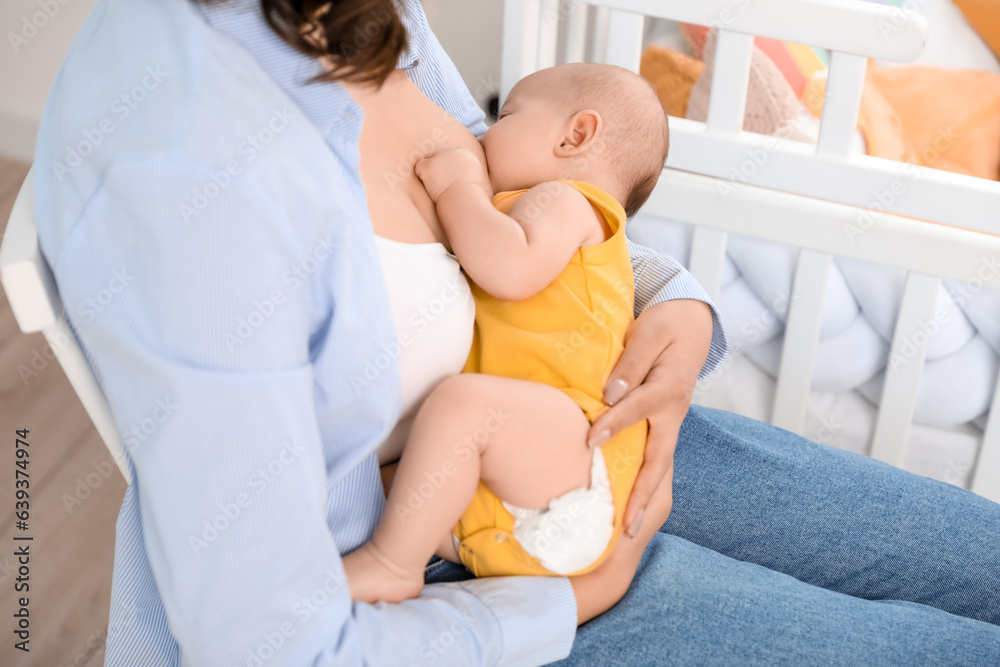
<point>497,472</point>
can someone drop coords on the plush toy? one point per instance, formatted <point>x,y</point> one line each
<point>771,107</point>
<point>945,119</point>
<point>672,74</point>
<point>941,118</point>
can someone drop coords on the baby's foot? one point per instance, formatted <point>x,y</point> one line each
<point>373,577</point>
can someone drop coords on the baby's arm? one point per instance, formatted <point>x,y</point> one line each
<point>512,256</point>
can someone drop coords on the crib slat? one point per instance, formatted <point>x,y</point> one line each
<point>520,43</point>
<point>727,101</point>
<point>841,103</point>
<point>548,33</point>
<point>805,316</point>
<point>625,39</point>
<point>599,35</point>
<point>798,353</point>
<point>708,252</point>
<point>906,365</point>
<point>986,476</point>
<point>575,46</point>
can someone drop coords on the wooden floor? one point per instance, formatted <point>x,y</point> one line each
<point>73,546</point>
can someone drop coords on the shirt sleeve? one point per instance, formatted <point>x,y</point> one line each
<point>532,621</point>
<point>203,353</point>
<point>660,278</point>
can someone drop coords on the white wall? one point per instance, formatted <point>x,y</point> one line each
<point>36,36</point>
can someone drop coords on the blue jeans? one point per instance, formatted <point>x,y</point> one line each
<point>781,551</point>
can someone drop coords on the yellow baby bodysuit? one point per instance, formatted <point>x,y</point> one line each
<point>569,336</point>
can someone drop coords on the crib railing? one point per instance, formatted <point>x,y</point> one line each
<point>807,196</point>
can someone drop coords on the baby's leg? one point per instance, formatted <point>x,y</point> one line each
<point>526,441</point>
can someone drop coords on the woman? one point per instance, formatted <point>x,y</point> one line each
<point>249,362</point>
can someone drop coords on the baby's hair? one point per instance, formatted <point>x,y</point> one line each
<point>636,135</point>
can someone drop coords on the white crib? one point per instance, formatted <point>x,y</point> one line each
<point>801,195</point>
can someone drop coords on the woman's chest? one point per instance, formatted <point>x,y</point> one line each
<point>401,126</point>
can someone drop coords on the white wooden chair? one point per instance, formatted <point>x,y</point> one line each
<point>35,302</point>
<point>803,195</point>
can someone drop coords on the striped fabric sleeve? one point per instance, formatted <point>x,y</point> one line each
<point>660,278</point>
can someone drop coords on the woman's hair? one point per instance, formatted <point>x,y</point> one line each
<point>357,40</point>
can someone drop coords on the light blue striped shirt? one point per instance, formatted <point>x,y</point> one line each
<point>202,211</point>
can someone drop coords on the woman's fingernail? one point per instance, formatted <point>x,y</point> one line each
<point>599,439</point>
<point>615,391</point>
<point>636,524</point>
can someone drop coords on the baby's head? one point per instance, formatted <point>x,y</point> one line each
<point>597,123</point>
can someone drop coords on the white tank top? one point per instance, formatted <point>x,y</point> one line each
<point>434,313</point>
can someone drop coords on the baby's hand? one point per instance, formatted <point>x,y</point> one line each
<point>448,167</point>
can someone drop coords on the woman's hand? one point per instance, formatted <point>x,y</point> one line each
<point>449,167</point>
<point>655,379</point>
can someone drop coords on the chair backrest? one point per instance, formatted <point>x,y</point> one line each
<point>34,299</point>
<point>817,198</point>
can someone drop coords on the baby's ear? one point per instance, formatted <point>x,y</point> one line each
<point>580,133</point>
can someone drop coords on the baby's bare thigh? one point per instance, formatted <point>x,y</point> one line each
<point>532,438</point>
